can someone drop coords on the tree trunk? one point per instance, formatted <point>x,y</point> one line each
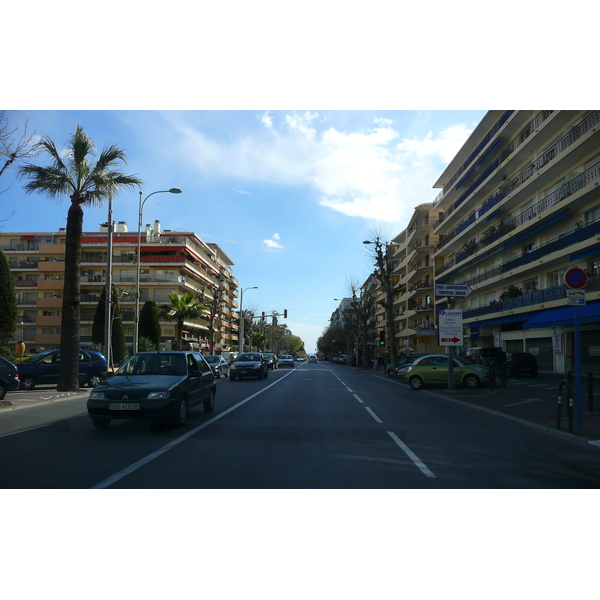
<point>68,380</point>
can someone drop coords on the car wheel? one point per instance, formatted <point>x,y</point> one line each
<point>415,382</point>
<point>27,383</point>
<point>100,423</point>
<point>2,391</point>
<point>266,373</point>
<point>94,380</point>
<point>183,410</point>
<point>231,377</point>
<point>471,381</point>
<point>260,376</point>
<point>209,404</point>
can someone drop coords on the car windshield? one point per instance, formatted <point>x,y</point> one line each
<point>467,360</point>
<point>248,358</point>
<point>211,359</point>
<point>286,356</point>
<point>154,364</point>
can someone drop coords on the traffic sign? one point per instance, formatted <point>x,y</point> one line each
<point>450,329</point>
<point>576,297</point>
<point>576,278</point>
<point>461,290</point>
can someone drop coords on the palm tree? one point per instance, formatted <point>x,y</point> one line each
<point>75,174</point>
<point>184,307</point>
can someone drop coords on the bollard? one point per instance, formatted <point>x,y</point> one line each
<point>590,391</point>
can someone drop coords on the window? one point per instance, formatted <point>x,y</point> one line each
<point>555,278</point>
<point>530,286</point>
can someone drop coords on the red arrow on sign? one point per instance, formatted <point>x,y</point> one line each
<point>454,340</point>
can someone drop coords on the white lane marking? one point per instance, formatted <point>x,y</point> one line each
<point>373,414</point>
<point>140,463</point>
<point>23,430</point>
<point>358,399</point>
<point>349,390</point>
<point>418,462</point>
<point>595,442</point>
<point>526,401</point>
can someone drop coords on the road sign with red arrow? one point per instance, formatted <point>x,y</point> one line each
<point>450,329</point>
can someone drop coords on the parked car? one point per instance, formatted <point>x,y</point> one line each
<point>483,356</point>
<point>432,369</point>
<point>272,360</point>
<point>43,368</point>
<point>286,360</point>
<point>9,377</point>
<point>154,385</point>
<point>219,366</point>
<point>521,363</point>
<point>249,364</point>
<point>406,360</point>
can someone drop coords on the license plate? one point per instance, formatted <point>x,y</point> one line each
<point>124,406</point>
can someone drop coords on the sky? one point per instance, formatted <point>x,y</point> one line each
<point>288,195</point>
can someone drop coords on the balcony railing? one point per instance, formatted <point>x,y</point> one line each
<point>550,154</point>
<point>532,299</point>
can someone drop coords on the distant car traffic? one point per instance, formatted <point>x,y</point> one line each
<point>432,369</point>
<point>9,377</point>
<point>286,360</point>
<point>521,363</point>
<point>312,359</point>
<point>154,385</point>
<point>43,369</point>
<point>249,364</point>
<point>219,366</point>
<point>271,360</point>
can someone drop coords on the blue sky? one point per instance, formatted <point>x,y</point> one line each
<point>289,195</point>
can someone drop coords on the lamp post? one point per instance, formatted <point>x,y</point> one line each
<point>136,317</point>
<point>241,330</point>
<point>108,294</point>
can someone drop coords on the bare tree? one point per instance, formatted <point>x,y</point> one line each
<point>12,147</point>
<point>380,251</point>
<point>363,303</point>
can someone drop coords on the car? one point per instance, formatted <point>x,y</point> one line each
<point>161,386</point>
<point>271,360</point>
<point>403,361</point>
<point>312,359</point>
<point>300,358</point>
<point>483,356</point>
<point>286,360</point>
<point>432,369</point>
<point>219,366</point>
<point>521,363</point>
<point>249,364</point>
<point>43,368</point>
<point>9,377</point>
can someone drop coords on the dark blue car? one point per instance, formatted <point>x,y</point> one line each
<point>42,369</point>
<point>9,377</point>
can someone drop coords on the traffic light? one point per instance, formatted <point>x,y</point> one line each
<point>285,313</point>
<point>382,338</point>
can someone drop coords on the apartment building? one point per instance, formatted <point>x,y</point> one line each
<point>414,303</point>
<point>520,205</point>
<point>171,262</point>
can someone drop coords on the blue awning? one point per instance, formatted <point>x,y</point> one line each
<point>557,317</point>
<point>500,320</point>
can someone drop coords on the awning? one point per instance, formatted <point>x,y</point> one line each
<point>557,317</point>
<point>500,320</point>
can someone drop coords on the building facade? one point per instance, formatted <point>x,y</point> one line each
<point>171,263</point>
<point>520,206</point>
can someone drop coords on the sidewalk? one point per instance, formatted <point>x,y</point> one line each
<point>21,399</point>
<point>533,400</point>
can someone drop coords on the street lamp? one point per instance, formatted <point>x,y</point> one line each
<point>241,329</point>
<point>136,317</point>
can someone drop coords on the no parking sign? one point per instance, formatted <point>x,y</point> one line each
<point>576,278</point>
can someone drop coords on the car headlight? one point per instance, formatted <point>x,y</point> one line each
<point>96,395</point>
<point>159,395</point>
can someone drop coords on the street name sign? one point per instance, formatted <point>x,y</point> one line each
<point>450,328</point>
<point>460,290</point>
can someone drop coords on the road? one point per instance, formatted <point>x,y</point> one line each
<point>319,426</point>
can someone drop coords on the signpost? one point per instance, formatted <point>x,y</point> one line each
<point>461,290</point>
<point>576,280</point>
<point>450,333</point>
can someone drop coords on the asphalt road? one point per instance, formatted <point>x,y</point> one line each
<point>316,426</point>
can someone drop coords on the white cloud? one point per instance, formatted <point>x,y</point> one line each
<point>273,242</point>
<point>374,173</point>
